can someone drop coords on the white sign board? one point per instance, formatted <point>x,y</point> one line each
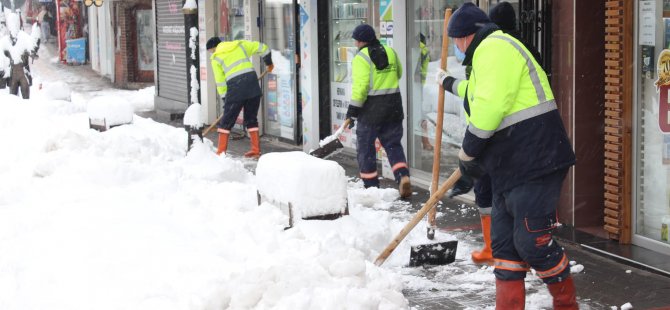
<point>647,22</point>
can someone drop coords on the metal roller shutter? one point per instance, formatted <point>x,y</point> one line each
<point>171,49</point>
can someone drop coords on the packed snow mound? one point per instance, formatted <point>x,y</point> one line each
<point>57,90</point>
<point>378,198</point>
<point>6,98</point>
<point>192,116</point>
<point>313,186</point>
<point>126,219</point>
<point>113,110</point>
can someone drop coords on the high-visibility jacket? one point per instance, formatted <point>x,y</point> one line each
<point>376,91</point>
<point>233,70</point>
<point>514,127</point>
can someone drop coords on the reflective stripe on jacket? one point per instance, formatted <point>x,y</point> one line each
<point>514,126</point>
<point>376,91</point>
<point>233,70</point>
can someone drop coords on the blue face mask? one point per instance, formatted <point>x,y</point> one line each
<point>460,56</point>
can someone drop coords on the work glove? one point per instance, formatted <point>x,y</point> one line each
<point>352,122</point>
<point>469,166</point>
<point>352,115</point>
<point>269,68</point>
<point>440,76</point>
<point>462,186</point>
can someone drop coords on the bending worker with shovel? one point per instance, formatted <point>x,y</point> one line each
<point>237,84</point>
<point>516,135</point>
<point>377,106</point>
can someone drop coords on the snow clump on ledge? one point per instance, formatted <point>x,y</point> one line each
<point>313,186</point>
<point>113,110</point>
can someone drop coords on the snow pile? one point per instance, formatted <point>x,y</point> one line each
<point>127,220</point>
<point>313,186</point>
<point>54,91</point>
<point>113,110</point>
<point>373,197</point>
<point>192,116</point>
<point>627,306</point>
<point>140,100</point>
<point>576,268</point>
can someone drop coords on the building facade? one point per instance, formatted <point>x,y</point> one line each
<point>637,140</point>
<point>608,62</point>
<point>121,37</point>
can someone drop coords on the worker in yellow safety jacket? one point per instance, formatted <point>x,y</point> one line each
<point>237,84</point>
<point>504,16</point>
<point>376,105</point>
<point>516,135</point>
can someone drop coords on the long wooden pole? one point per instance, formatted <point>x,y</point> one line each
<point>432,201</point>
<point>437,151</point>
<point>204,133</point>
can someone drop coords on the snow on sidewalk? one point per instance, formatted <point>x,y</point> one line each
<point>125,219</point>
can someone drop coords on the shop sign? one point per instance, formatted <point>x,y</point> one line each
<point>663,87</point>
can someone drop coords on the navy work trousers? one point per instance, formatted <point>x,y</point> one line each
<point>389,135</point>
<point>231,109</point>
<point>523,221</point>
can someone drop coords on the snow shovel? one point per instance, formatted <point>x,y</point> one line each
<point>438,253</point>
<point>330,144</point>
<point>204,133</point>
<point>430,233</point>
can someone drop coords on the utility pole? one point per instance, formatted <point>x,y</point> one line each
<point>190,10</point>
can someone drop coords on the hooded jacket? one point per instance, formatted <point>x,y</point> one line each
<point>234,74</point>
<point>514,127</point>
<point>375,91</point>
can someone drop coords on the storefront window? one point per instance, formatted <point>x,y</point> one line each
<point>280,93</point>
<point>145,40</point>
<point>345,15</point>
<point>231,19</point>
<point>425,22</point>
<point>652,214</point>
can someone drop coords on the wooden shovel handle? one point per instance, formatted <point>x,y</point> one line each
<point>437,150</point>
<point>204,133</point>
<point>432,201</point>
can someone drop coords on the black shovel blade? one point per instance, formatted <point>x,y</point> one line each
<point>327,149</point>
<point>439,253</point>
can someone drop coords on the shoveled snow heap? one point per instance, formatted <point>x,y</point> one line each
<point>313,186</point>
<point>192,116</point>
<point>125,219</point>
<point>113,109</point>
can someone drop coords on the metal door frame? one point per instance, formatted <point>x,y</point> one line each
<point>534,23</point>
<point>297,109</point>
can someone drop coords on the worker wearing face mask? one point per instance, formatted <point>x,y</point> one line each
<point>515,135</point>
